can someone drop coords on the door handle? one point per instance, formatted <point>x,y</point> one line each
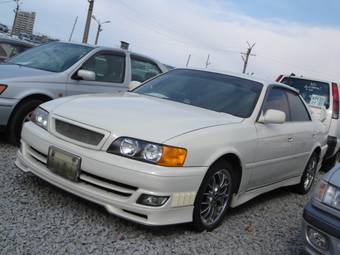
<point>290,139</point>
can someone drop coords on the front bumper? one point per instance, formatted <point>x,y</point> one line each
<point>325,223</point>
<point>6,108</point>
<point>105,177</point>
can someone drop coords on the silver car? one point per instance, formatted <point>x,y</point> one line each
<point>321,216</point>
<point>61,69</point>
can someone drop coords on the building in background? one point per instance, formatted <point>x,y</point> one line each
<point>24,23</point>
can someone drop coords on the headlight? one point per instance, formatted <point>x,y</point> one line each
<point>154,153</point>
<point>40,117</point>
<point>328,194</point>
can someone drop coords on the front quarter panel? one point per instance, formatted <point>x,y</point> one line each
<point>207,145</point>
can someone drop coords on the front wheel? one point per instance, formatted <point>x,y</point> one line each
<point>20,116</point>
<point>214,196</point>
<point>308,175</point>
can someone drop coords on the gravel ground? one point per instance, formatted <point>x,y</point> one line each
<point>37,218</point>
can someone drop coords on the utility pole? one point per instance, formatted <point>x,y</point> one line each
<point>189,57</point>
<point>74,25</point>
<point>247,54</point>
<point>99,29</point>
<point>16,10</point>
<point>98,32</point>
<point>207,63</point>
<point>88,21</point>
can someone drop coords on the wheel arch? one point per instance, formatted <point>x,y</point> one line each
<point>237,172</point>
<point>36,96</point>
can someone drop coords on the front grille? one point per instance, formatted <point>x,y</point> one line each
<point>78,133</point>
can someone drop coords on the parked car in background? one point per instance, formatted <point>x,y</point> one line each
<point>321,225</point>
<point>3,28</point>
<point>10,47</point>
<point>323,98</point>
<point>63,69</point>
<point>182,147</point>
<point>24,36</point>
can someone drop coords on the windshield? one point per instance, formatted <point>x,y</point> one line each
<point>212,91</point>
<point>54,57</point>
<point>315,93</point>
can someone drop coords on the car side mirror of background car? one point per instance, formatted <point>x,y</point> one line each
<point>86,75</point>
<point>133,84</point>
<point>272,117</point>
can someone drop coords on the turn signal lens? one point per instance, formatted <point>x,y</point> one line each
<point>320,190</point>
<point>172,156</point>
<point>2,88</point>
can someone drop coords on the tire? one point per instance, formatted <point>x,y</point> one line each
<point>308,175</point>
<point>18,118</point>
<point>217,197</point>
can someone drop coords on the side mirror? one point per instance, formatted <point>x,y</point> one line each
<point>86,75</point>
<point>133,84</point>
<point>273,117</point>
<point>323,114</point>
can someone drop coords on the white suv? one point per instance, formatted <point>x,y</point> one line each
<point>320,95</point>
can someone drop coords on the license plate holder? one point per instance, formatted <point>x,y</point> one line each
<point>63,163</point>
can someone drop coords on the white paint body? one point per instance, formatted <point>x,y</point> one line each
<point>269,159</point>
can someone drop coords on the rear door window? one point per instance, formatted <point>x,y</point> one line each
<point>315,93</point>
<point>108,67</point>
<point>298,109</point>
<point>143,69</point>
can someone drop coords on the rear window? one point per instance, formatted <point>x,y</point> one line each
<point>315,93</point>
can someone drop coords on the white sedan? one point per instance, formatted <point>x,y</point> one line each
<point>182,147</point>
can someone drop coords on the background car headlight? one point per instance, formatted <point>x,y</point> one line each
<point>40,117</point>
<point>154,153</point>
<point>328,194</point>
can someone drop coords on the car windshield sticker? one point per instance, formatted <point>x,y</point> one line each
<point>312,87</point>
<point>318,101</point>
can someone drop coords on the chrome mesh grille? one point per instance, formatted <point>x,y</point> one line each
<point>78,133</point>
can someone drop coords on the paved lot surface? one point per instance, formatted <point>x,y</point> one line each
<point>37,218</point>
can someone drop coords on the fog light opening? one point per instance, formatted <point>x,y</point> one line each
<point>151,200</point>
<point>318,239</point>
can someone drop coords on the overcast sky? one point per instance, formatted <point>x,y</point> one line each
<point>300,36</point>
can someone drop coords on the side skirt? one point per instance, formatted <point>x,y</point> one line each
<point>248,195</point>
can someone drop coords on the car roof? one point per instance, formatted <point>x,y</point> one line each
<point>265,83</point>
<point>16,42</point>
<point>306,78</point>
<point>110,48</point>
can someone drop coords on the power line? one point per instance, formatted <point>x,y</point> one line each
<point>159,29</point>
<point>74,26</point>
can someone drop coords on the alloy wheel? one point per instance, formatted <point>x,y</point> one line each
<point>310,173</point>
<point>216,197</point>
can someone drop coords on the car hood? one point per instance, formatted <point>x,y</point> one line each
<point>334,177</point>
<point>17,72</point>
<point>138,116</point>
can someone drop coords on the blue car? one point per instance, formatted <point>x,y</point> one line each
<point>321,216</point>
